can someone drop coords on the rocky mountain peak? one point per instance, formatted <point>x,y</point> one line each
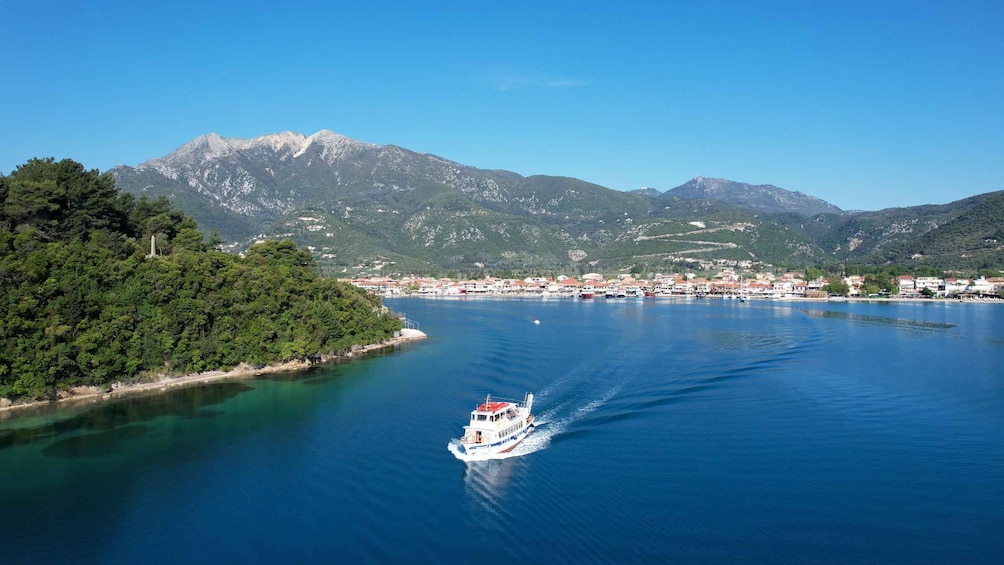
<point>201,149</point>
<point>278,142</point>
<point>333,145</point>
<point>211,147</point>
<point>760,197</point>
<point>361,204</point>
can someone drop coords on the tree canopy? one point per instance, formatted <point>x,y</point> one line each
<point>83,304</point>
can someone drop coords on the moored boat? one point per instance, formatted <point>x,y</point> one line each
<point>496,427</point>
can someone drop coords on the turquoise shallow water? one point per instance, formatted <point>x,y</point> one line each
<point>701,431</point>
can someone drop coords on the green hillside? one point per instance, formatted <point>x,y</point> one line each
<point>373,209</point>
<point>83,304</point>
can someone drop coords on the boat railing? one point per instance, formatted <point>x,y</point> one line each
<point>513,403</point>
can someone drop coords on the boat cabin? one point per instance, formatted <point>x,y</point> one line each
<point>491,411</point>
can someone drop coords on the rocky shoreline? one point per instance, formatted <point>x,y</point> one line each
<point>92,394</point>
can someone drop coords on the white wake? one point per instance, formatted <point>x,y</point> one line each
<point>545,429</point>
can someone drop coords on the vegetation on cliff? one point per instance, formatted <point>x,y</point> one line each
<point>82,303</point>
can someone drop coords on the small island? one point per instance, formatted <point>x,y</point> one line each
<point>105,293</point>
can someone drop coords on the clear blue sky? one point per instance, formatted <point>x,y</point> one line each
<point>866,105</point>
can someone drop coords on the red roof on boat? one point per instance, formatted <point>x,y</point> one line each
<point>492,406</point>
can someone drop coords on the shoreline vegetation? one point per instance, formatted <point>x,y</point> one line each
<point>84,395</point>
<point>98,289</point>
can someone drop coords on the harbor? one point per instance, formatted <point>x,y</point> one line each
<point>725,284</point>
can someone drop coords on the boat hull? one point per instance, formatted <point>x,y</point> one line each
<point>487,450</point>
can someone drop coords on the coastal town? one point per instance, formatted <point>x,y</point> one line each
<point>727,284</point>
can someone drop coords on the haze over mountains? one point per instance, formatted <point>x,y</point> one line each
<point>381,208</point>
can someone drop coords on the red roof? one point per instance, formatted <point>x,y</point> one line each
<point>492,406</point>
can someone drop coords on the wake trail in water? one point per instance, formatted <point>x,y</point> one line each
<point>549,425</point>
<point>536,442</point>
<point>568,403</point>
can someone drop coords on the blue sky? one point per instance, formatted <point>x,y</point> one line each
<point>866,105</point>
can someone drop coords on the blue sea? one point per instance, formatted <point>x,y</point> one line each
<point>669,431</point>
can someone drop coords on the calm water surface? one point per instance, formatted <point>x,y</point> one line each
<point>691,431</point>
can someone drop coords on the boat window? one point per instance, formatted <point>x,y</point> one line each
<point>482,417</point>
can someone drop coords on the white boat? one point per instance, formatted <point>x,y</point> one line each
<point>496,427</point>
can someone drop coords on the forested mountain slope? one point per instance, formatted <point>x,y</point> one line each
<point>373,209</point>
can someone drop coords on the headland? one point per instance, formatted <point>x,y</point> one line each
<point>83,395</point>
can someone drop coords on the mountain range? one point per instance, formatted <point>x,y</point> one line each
<point>367,208</point>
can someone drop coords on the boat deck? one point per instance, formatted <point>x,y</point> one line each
<point>492,406</point>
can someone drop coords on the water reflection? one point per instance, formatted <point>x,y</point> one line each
<point>487,481</point>
<point>188,403</point>
<point>880,320</point>
<point>95,445</point>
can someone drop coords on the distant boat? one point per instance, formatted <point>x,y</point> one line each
<point>536,322</point>
<point>496,427</point>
